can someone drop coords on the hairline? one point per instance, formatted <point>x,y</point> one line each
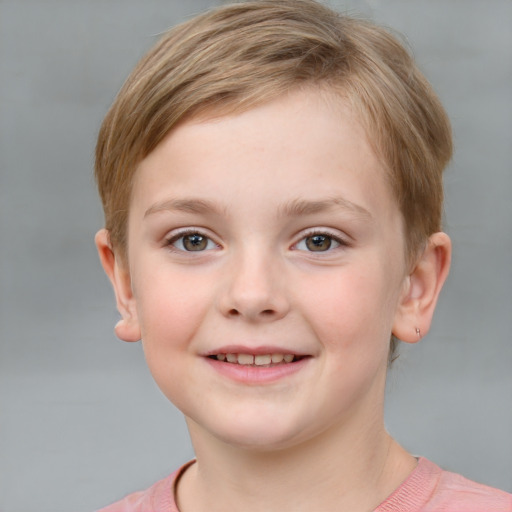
<point>336,94</point>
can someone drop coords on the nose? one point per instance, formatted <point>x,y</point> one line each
<point>254,289</point>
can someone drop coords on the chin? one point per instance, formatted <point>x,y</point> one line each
<point>260,443</point>
<point>259,434</point>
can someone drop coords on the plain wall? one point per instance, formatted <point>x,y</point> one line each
<point>81,421</point>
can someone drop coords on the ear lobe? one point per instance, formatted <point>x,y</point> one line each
<point>127,329</point>
<point>421,290</point>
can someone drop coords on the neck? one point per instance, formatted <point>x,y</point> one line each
<point>350,469</point>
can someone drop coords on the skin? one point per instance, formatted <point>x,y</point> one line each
<point>257,186</point>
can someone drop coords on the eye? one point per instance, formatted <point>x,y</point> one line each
<point>319,242</point>
<point>190,242</point>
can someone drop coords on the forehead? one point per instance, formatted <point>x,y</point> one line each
<point>283,146</point>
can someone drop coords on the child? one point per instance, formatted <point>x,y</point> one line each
<point>271,175</point>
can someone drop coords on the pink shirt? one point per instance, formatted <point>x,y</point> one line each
<point>427,489</point>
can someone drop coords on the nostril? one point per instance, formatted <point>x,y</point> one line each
<point>265,313</point>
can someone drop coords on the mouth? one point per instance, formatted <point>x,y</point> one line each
<point>257,360</point>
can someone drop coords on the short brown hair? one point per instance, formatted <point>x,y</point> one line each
<point>239,55</point>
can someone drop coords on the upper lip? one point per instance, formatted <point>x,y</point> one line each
<point>256,350</point>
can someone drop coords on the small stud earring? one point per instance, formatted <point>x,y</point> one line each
<point>418,332</point>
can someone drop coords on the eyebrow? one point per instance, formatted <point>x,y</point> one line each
<point>187,205</point>
<point>293,208</point>
<point>304,207</point>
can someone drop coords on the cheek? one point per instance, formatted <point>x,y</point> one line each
<point>352,310</point>
<point>170,308</point>
<point>170,314</point>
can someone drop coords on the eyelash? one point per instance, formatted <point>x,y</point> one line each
<point>341,242</point>
<point>325,233</point>
<point>171,241</point>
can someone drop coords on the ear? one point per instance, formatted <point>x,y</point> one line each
<point>421,290</point>
<point>127,329</point>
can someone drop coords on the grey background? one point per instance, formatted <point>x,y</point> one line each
<point>81,422</point>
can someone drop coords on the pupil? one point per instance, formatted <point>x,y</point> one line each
<point>318,243</point>
<point>195,242</point>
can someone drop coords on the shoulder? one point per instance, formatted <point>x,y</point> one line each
<point>143,501</point>
<point>454,492</point>
<point>160,497</point>
<point>430,489</point>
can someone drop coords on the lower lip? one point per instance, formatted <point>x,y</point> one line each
<point>257,374</point>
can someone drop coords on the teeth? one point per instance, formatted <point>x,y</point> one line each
<point>258,360</point>
<point>245,359</point>
<point>261,360</point>
<point>277,358</point>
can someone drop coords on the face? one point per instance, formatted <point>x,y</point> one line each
<point>266,267</point>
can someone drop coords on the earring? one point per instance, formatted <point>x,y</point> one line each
<point>418,332</point>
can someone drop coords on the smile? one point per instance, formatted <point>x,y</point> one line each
<point>264,366</point>
<point>265,360</point>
